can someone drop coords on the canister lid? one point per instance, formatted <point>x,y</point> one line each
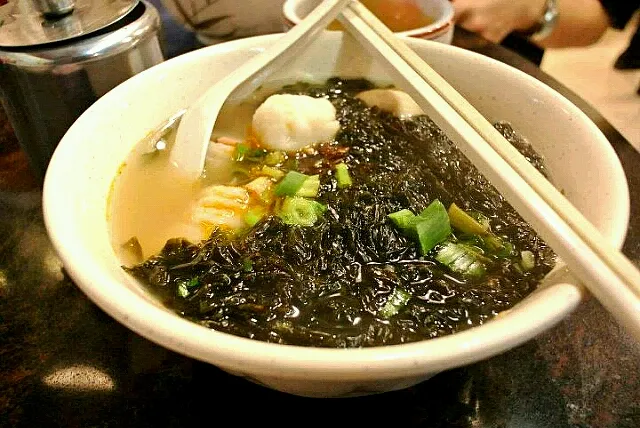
<point>26,23</point>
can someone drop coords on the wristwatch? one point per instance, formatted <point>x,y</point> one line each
<point>545,24</point>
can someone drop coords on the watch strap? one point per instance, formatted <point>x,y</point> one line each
<point>545,25</point>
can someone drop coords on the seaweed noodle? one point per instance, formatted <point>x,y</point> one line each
<point>324,285</point>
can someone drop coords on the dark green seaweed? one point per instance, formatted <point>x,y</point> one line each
<point>325,285</point>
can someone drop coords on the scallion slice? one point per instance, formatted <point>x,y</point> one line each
<point>298,184</point>
<point>429,228</point>
<point>432,226</point>
<point>300,211</point>
<point>342,176</point>
<point>275,158</point>
<point>241,150</point>
<point>182,290</point>
<point>462,259</point>
<point>185,285</point>
<point>310,187</point>
<point>403,219</point>
<point>398,299</point>
<point>247,265</point>
<point>528,260</point>
<point>464,222</point>
<point>290,184</point>
<point>272,172</point>
<point>253,216</point>
<point>497,246</point>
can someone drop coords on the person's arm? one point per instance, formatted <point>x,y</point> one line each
<point>579,23</point>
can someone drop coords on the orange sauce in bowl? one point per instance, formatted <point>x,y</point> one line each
<point>398,15</point>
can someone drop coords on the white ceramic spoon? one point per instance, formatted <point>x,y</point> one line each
<point>194,131</point>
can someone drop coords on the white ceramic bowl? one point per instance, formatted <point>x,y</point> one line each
<point>78,183</point>
<point>441,30</point>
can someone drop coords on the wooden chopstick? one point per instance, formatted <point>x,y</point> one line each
<point>509,153</point>
<point>608,274</point>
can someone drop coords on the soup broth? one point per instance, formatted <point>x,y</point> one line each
<point>352,268</point>
<point>153,202</point>
<point>398,15</point>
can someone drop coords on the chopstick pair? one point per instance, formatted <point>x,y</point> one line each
<point>604,270</point>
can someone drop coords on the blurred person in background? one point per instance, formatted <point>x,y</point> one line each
<point>517,24</point>
<point>529,26</point>
<point>191,24</point>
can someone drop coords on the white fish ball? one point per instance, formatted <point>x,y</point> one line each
<point>289,123</point>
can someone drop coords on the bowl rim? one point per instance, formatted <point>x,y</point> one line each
<point>289,361</point>
<point>432,30</point>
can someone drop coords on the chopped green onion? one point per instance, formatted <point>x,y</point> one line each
<point>185,285</point>
<point>493,243</point>
<point>432,226</point>
<point>429,228</point>
<point>245,152</point>
<point>247,265</point>
<point>319,208</point>
<point>403,219</point>
<point>182,290</point>
<point>252,217</point>
<point>497,245</point>
<point>477,224</point>
<point>398,299</point>
<point>272,172</point>
<point>481,218</point>
<point>255,155</point>
<point>300,211</point>
<point>462,259</point>
<point>507,249</point>
<point>342,176</point>
<point>275,158</point>
<point>465,223</point>
<point>290,184</point>
<point>310,187</point>
<point>241,151</point>
<point>528,260</point>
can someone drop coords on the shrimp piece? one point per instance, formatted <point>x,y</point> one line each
<point>225,197</point>
<point>227,141</point>
<point>221,207</point>
<point>261,188</point>
<point>219,160</point>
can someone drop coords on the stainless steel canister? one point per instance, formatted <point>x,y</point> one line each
<point>58,56</point>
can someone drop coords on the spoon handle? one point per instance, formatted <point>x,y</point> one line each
<point>192,139</point>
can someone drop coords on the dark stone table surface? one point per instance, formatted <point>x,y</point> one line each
<point>65,363</point>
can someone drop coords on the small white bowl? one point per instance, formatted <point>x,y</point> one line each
<point>441,30</point>
<point>78,184</point>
